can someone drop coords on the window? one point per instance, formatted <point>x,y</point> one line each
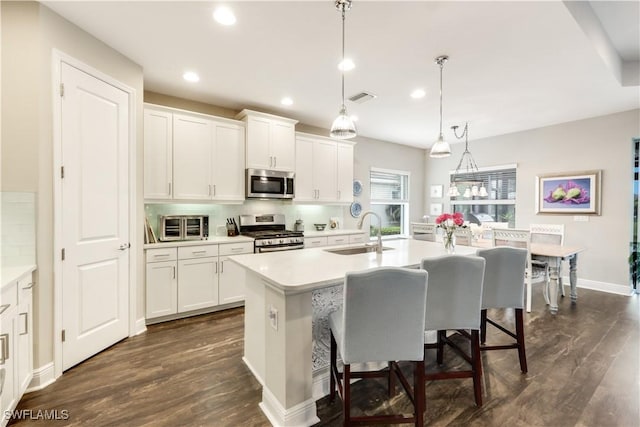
<point>390,200</point>
<point>500,206</point>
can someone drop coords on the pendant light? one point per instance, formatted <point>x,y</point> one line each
<point>343,127</point>
<point>466,174</point>
<point>441,147</point>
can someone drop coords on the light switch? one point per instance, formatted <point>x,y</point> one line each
<point>273,317</point>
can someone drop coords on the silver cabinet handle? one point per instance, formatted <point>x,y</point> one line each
<point>26,323</point>
<point>275,161</point>
<point>236,249</point>
<point>4,307</point>
<point>221,267</point>
<point>270,161</point>
<point>209,189</point>
<point>29,286</point>
<point>216,267</point>
<point>124,247</point>
<point>4,348</point>
<point>174,271</point>
<point>169,189</point>
<point>198,252</point>
<point>214,189</point>
<point>161,255</point>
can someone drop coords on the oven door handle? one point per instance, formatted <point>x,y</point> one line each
<point>280,248</point>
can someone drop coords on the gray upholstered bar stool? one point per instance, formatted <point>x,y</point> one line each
<point>454,299</point>
<point>504,288</point>
<point>381,320</point>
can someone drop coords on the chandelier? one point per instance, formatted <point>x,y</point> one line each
<point>465,177</point>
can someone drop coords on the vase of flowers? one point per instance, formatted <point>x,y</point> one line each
<point>449,223</point>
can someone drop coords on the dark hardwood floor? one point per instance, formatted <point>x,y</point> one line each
<point>584,370</point>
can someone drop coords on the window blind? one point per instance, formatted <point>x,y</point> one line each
<point>389,186</point>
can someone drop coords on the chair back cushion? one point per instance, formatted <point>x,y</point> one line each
<point>503,277</point>
<point>383,315</point>
<point>454,295</point>
<point>464,236</point>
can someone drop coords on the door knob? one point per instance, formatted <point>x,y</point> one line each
<point>124,246</point>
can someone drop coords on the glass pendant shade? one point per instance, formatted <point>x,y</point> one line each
<point>343,127</point>
<point>440,148</point>
<point>483,192</point>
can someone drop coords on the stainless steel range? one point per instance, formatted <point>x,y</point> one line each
<point>270,233</point>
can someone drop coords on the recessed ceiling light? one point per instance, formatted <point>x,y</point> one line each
<point>190,76</point>
<point>418,93</point>
<point>286,101</point>
<point>346,64</point>
<point>224,16</point>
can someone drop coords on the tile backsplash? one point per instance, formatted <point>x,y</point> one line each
<point>218,213</point>
<point>17,228</point>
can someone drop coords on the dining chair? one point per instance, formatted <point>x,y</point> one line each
<point>381,320</point>
<point>454,298</point>
<point>464,236</point>
<point>424,231</point>
<point>548,234</point>
<point>519,238</point>
<point>503,289</point>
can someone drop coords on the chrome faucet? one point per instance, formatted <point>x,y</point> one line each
<point>359,225</point>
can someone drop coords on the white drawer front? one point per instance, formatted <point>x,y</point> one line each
<point>314,242</point>
<point>358,238</point>
<point>188,252</point>
<point>164,254</point>
<point>236,248</point>
<point>338,240</point>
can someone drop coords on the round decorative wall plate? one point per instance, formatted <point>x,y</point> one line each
<point>356,209</point>
<point>357,187</point>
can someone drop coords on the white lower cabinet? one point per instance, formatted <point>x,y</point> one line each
<point>314,242</point>
<point>16,342</point>
<point>358,238</point>
<point>341,239</point>
<point>193,278</point>
<point>338,240</point>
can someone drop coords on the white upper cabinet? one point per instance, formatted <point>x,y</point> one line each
<point>324,169</point>
<point>270,141</point>
<point>158,154</point>
<point>345,172</point>
<point>191,156</point>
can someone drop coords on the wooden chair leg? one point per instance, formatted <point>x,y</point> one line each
<point>520,339</point>
<point>346,398</point>
<point>391,384</point>
<point>483,326</point>
<point>419,393</point>
<point>332,367</point>
<point>440,347</point>
<point>476,366</point>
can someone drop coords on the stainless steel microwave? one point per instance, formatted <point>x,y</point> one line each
<point>183,227</point>
<point>268,184</point>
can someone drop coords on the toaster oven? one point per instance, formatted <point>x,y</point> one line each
<point>183,227</point>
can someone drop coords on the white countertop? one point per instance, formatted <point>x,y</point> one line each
<point>328,232</point>
<point>306,269</point>
<point>211,240</point>
<point>11,274</point>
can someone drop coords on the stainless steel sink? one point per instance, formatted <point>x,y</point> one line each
<point>353,250</point>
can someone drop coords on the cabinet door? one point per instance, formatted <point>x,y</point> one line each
<point>228,162</point>
<point>158,154</point>
<point>24,337</point>
<point>324,170</point>
<point>9,397</point>
<point>338,240</point>
<point>305,191</point>
<point>162,289</point>
<point>345,173</point>
<point>258,152</point>
<point>197,283</point>
<point>358,238</point>
<point>232,278</point>
<point>192,146</point>
<point>283,146</point>
<point>315,242</point>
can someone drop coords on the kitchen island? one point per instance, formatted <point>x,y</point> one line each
<point>288,297</point>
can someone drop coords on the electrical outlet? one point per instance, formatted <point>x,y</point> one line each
<point>273,317</point>
<point>581,218</point>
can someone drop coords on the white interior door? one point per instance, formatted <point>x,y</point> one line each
<point>94,210</point>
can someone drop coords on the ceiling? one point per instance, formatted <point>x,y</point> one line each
<point>513,65</point>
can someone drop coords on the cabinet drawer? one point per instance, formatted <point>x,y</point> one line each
<point>164,254</point>
<point>358,238</point>
<point>314,242</point>
<point>338,240</point>
<point>236,248</point>
<point>188,252</point>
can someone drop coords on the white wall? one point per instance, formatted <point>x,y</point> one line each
<point>597,143</point>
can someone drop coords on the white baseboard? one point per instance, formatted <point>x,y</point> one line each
<point>141,326</point>
<point>612,288</point>
<point>42,377</point>
<point>302,414</point>
<point>253,371</point>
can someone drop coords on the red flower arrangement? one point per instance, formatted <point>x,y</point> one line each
<point>449,223</point>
